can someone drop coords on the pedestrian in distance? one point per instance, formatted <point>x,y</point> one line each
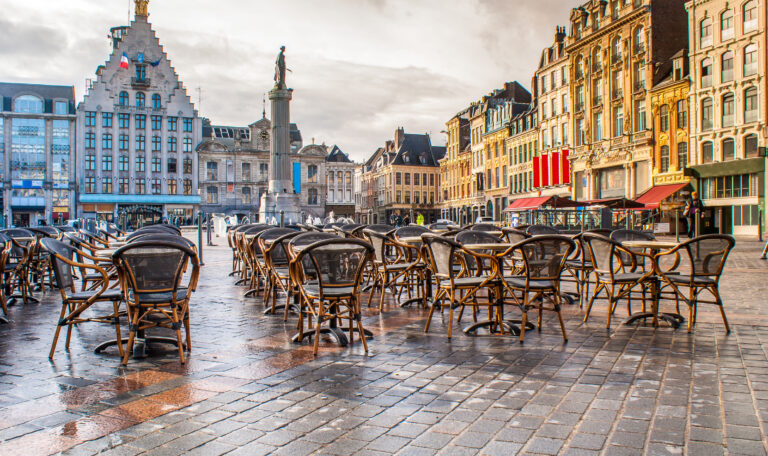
<point>693,207</point>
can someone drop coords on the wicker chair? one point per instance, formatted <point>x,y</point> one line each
<point>538,230</point>
<point>151,275</point>
<point>5,251</point>
<point>331,290</point>
<point>391,268</point>
<point>276,273</point>
<point>17,272</point>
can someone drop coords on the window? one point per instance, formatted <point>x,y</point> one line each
<point>187,186</point>
<point>597,61</point>
<point>106,185</point>
<point>90,184</point>
<point>124,120</point>
<point>726,67</point>
<point>141,121</point>
<point>554,107</point>
<point>617,82</point>
<point>187,125</point>
<point>212,168</point>
<point>563,76</point>
<point>312,196</point>
<point>157,122</point>
<point>431,179</point>
<point>726,25</point>
<point>682,114</point>
<point>544,139</point>
<point>639,39</point>
<point>407,197</point>
<point>187,166</point>
<point>171,165</point>
<point>729,149</point>
<point>156,101</point>
<point>398,178</point>
<point>90,117</point>
<point>312,174</point>
<point>172,144</point>
<point>123,99</point>
<point>62,107</point>
<point>123,163</point>
<point>124,140</point>
<point>173,123</point>
<point>141,142</point>
<point>565,103</point>
<point>140,164</point>
<point>682,155</point>
<point>579,132</point>
<point>640,124</point>
<point>156,187</point>
<point>106,141</point>
<point>141,99</point>
<point>416,178</point>
<point>579,98</point>
<point>141,73</point>
<point>106,119</point>
<point>543,110</point>
<point>639,75</point>
<point>707,120</point>
<point>597,122</point>
<point>245,172</point>
<point>597,92</point>
<point>90,162</point>
<point>246,195</point>
<point>664,159</point>
<point>263,170</point>
<point>554,135</point>
<point>188,145</point>
<point>707,152</point>
<point>122,185</point>
<point>544,84</point>
<point>157,143</point>
<point>172,186</point>
<point>728,110</point>
<point>750,146</point>
<point>664,119</point>
<point>90,140</point>
<point>213,194</point>
<point>705,33</point>
<point>749,16</point>
<point>407,178</point>
<point>156,165</point>
<point>616,50</point>
<point>579,70</point>
<point>141,186</point>
<point>750,60</point>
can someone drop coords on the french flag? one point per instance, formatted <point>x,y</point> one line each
<point>124,61</point>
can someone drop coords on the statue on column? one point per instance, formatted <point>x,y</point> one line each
<point>280,69</point>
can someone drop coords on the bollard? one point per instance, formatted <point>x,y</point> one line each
<point>200,237</point>
<point>677,225</point>
<point>760,225</point>
<point>208,228</point>
<point>282,219</point>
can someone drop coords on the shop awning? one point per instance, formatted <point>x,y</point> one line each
<point>655,195</point>
<point>526,204</point>
<point>613,203</point>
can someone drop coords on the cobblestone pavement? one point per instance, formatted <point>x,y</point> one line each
<point>246,389</point>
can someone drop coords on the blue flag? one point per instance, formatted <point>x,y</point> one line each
<point>140,57</point>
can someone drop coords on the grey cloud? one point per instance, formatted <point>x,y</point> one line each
<point>30,39</point>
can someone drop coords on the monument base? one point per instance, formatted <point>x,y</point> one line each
<point>272,204</point>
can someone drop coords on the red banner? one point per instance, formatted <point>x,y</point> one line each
<point>536,171</point>
<point>566,167</point>
<point>555,157</point>
<point>544,171</point>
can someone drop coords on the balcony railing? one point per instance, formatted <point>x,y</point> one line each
<point>706,81</point>
<point>750,116</point>
<point>616,58</point>
<point>140,83</point>
<point>597,67</point>
<point>728,120</point>
<point>579,74</point>
<point>707,124</point>
<point>639,85</point>
<point>579,106</point>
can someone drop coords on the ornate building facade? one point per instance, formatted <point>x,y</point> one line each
<point>137,131</point>
<point>728,111</point>
<point>456,171</point>
<point>340,184</point>
<point>617,51</point>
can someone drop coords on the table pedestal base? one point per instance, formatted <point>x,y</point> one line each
<point>140,345</point>
<point>335,332</point>
<point>673,319</point>
<point>512,326</point>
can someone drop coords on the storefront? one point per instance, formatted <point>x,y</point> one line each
<point>137,209</point>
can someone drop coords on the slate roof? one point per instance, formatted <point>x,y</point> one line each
<point>337,156</point>
<point>417,150</point>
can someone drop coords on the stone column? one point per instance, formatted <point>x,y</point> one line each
<point>280,147</point>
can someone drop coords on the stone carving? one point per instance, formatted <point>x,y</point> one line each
<point>141,8</point>
<point>280,69</point>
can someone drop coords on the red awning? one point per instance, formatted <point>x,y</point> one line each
<point>523,204</point>
<point>655,195</point>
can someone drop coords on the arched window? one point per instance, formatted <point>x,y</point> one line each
<point>28,104</point>
<point>639,40</point>
<point>705,33</point>
<point>749,16</point>
<point>706,72</point>
<point>707,119</point>
<point>579,70</point>
<point>750,146</point>
<point>707,152</point>
<point>123,101</point>
<point>726,67</point>
<point>597,61</point>
<point>664,119</point>
<point>728,105</point>
<point>156,101</point>
<point>682,155</point>
<point>616,49</point>
<point>750,60</point>
<point>141,99</point>
<point>726,25</point>
<point>750,105</point>
<point>664,159</point>
<point>729,149</point>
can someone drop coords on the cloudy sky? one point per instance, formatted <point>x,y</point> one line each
<point>360,68</point>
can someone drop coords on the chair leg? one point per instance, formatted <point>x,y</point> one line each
<point>384,280</point>
<point>319,320</point>
<point>719,303</point>
<point>116,305</point>
<point>598,289</point>
<point>131,335</point>
<point>186,329</point>
<point>691,307</point>
<point>450,315</point>
<point>58,331</point>
<point>559,315</point>
<point>177,323</point>
<point>524,319</point>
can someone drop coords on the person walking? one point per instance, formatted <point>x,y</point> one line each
<point>406,220</point>
<point>420,219</point>
<point>693,207</point>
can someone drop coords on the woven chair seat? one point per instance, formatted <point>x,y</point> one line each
<point>403,266</point>
<point>330,292</point>
<point>533,284</point>
<point>160,298</point>
<point>108,295</point>
<point>682,279</point>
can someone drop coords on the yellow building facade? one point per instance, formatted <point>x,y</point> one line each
<point>455,170</point>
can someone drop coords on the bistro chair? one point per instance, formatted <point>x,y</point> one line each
<point>703,262</point>
<point>513,235</point>
<point>391,266</point>
<point>151,277</point>
<point>416,271</point>
<point>544,257</point>
<point>276,274</point>
<point>64,259</point>
<point>538,230</point>
<point>616,274</point>
<point>17,272</point>
<point>254,269</point>
<point>5,251</point>
<point>457,286</point>
<point>484,227</point>
<point>622,235</point>
<point>331,292</point>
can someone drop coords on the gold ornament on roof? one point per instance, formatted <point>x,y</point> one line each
<point>141,8</point>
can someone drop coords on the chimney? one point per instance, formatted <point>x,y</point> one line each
<point>559,34</point>
<point>399,136</point>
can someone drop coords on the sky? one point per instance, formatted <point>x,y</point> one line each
<point>359,68</point>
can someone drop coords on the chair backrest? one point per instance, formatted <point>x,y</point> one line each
<point>483,227</point>
<point>631,235</point>
<point>476,237</point>
<point>45,231</point>
<point>538,230</point>
<point>18,233</point>
<point>164,237</point>
<point>66,228</point>
<point>605,253</point>
<point>514,235</point>
<point>379,241</point>
<point>380,228</point>
<point>340,261</point>
<point>410,231</point>
<point>18,251</point>
<point>601,231</point>
<point>545,255</point>
<point>154,266</point>
<point>442,255</point>
<point>62,271</point>
<point>708,253</point>
<point>278,255</point>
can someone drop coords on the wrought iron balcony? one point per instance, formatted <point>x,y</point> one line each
<point>140,83</point>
